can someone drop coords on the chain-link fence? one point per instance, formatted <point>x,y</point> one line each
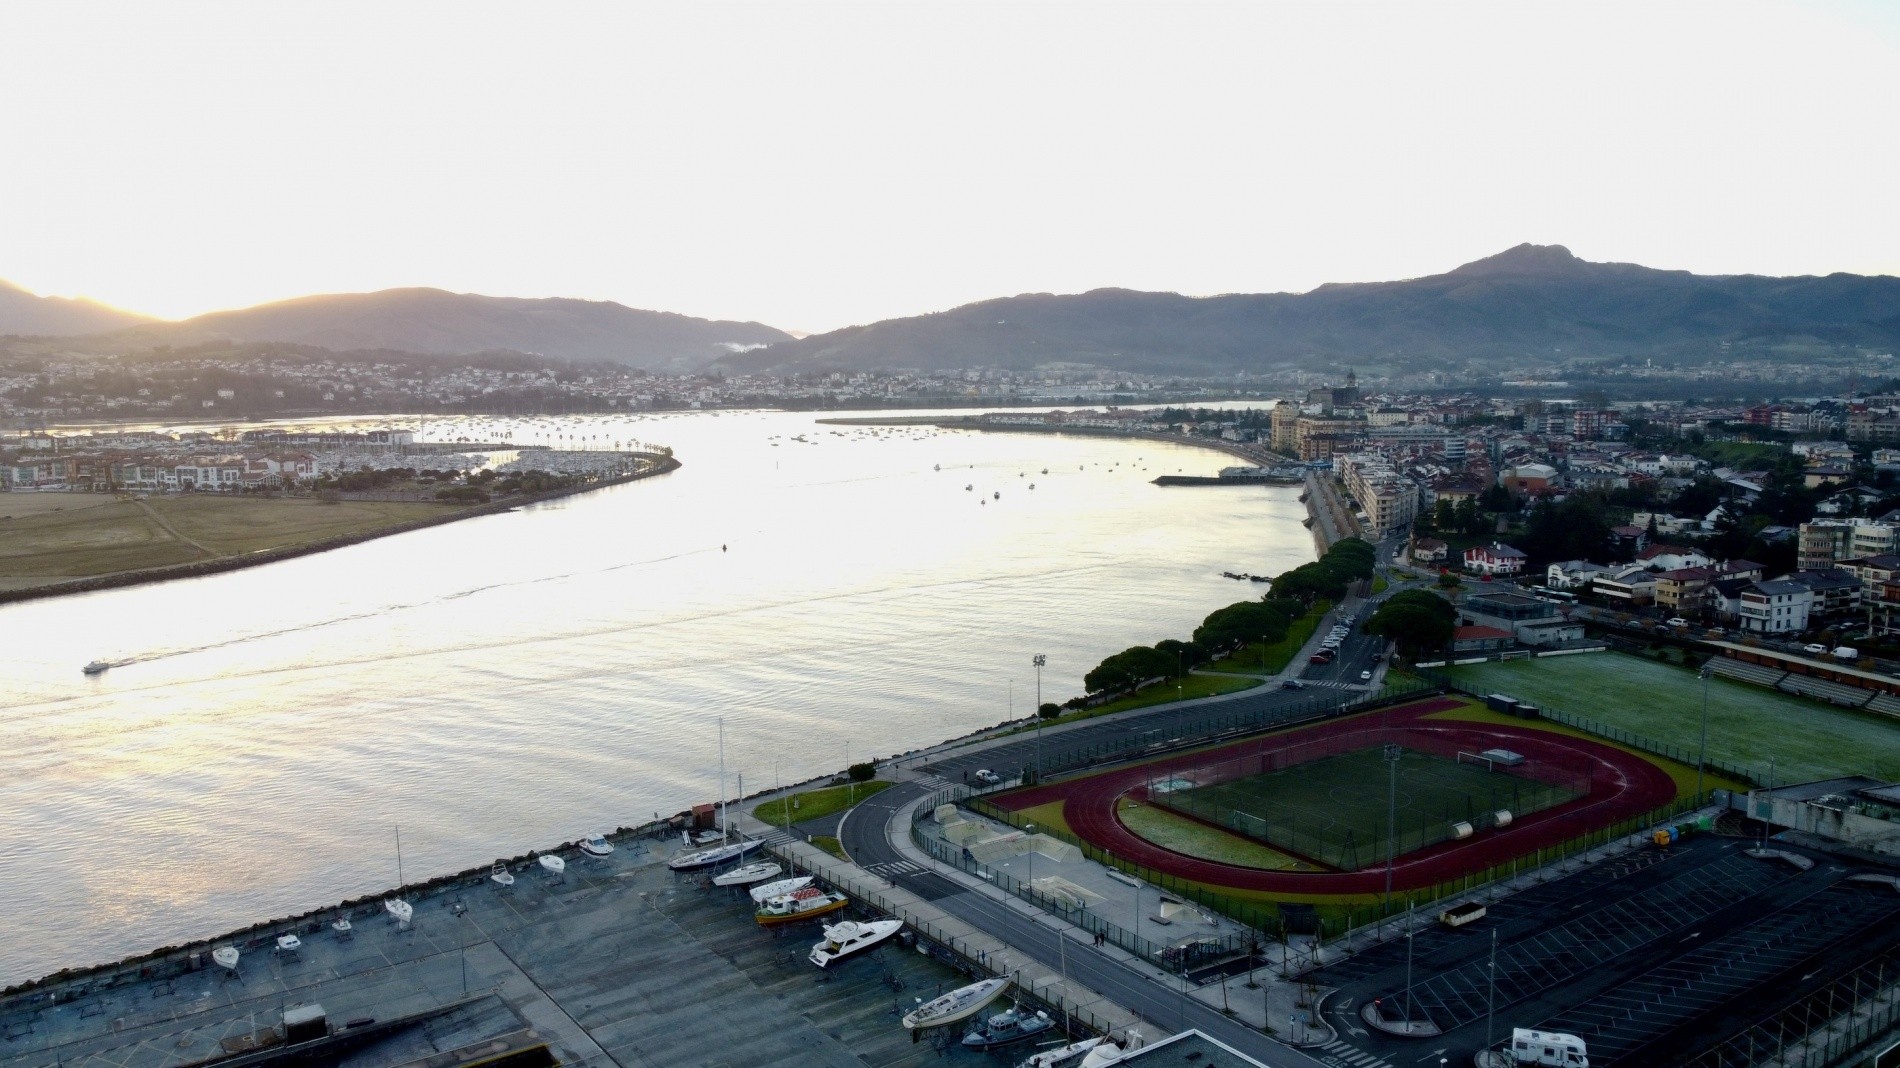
<point>1614,734</point>
<point>1821,1028</point>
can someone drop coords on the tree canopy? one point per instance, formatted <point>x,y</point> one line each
<point>1420,621</point>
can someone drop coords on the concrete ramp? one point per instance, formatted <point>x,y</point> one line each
<point>1056,888</point>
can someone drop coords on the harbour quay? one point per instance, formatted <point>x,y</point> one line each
<point>615,960</point>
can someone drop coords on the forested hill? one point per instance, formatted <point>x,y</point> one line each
<point>436,321</point>
<point>1532,300</point>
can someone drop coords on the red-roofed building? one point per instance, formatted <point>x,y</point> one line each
<point>1496,558</point>
<point>1480,640</point>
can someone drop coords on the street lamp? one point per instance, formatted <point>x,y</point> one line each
<point>1038,660</point>
<point>1702,756</point>
<point>1392,753</point>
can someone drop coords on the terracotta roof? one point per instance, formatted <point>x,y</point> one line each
<point>1465,634</point>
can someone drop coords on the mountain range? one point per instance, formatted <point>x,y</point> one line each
<point>1536,302</point>
<point>1530,301</point>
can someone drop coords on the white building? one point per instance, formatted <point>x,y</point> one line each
<point>1777,607</point>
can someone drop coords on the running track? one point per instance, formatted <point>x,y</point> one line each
<point>1627,786</point>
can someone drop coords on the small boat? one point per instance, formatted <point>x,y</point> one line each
<point>712,858</point>
<point>749,874</point>
<point>553,863</point>
<point>998,495</point>
<point>341,926</point>
<point>969,486</point>
<point>1069,1056</point>
<point>702,837</point>
<point>1007,1027</point>
<point>959,1004</point>
<point>847,938</point>
<point>596,845</point>
<point>1045,470</point>
<point>1105,1054</point>
<point>402,910</point>
<point>501,875</point>
<point>762,894</point>
<point>289,943</point>
<point>936,467</point>
<point>97,667</point>
<point>807,904</point>
<point>225,957</point>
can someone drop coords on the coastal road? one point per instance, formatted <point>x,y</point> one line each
<point>866,836</point>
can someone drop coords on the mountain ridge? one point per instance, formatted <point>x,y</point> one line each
<point>24,312</point>
<point>1529,300</point>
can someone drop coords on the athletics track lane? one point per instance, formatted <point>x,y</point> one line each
<point>1628,786</point>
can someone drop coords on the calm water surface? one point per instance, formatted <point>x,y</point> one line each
<point>508,682</point>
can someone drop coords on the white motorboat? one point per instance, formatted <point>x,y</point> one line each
<point>1007,1027</point>
<point>225,957</point>
<point>1069,1056</point>
<point>712,858</point>
<point>402,910</point>
<point>96,667</point>
<point>553,863</point>
<point>756,872</point>
<point>289,943</point>
<point>341,926</point>
<point>958,1005</point>
<point>1103,1055</point>
<point>596,845</point>
<point>762,894</point>
<point>845,939</point>
<point>700,838</point>
<point>501,875</point>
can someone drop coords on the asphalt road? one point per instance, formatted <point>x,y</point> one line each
<point>865,836</point>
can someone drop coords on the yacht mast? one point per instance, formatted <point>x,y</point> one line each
<point>725,824</point>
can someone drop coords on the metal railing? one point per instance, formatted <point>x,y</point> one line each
<point>939,940</point>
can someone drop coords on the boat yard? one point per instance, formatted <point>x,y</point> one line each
<point>616,961</point>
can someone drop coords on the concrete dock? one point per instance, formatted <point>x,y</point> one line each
<point>617,962</point>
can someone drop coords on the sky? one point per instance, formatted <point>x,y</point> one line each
<point>815,165</point>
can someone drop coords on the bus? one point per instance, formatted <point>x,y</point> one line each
<point>1545,593</point>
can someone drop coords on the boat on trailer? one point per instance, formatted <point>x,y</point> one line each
<point>762,894</point>
<point>746,875</point>
<point>807,904</point>
<point>956,1006</point>
<point>849,938</point>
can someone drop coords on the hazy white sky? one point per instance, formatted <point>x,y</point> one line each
<point>813,165</point>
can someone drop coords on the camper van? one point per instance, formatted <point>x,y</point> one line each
<point>1548,1047</point>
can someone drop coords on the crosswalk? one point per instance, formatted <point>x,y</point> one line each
<point>892,868</point>
<point>934,783</point>
<point>778,836</point>
<point>1345,1054</point>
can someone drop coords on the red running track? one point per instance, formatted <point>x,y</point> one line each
<point>1626,786</point>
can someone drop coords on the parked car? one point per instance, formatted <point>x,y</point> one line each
<point>987,777</point>
<point>1365,676</point>
<point>1676,621</point>
<point>1814,650</point>
<point>1293,684</point>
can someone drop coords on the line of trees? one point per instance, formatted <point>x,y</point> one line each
<point>1229,628</point>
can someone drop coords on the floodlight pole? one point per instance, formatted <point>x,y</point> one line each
<point>1702,756</point>
<point>1391,818</point>
<point>1408,966</point>
<point>1039,660</point>
<point>1491,1002</point>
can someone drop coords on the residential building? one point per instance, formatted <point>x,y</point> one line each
<point>1776,607</point>
<point>1430,551</point>
<point>1322,437</point>
<point>1573,574</point>
<point>1666,557</point>
<point>1388,499</point>
<point>1496,558</point>
<point>1826,542</point>
<point>1681,590</point>
<point>1836,592</point>
<point>1633,585</point>
<point>1528,619</point>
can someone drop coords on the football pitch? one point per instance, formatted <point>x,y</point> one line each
<point>1748,725</point>
<point>1334,809</point>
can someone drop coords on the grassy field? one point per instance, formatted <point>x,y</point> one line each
<point>98,534</point>
<point>816,804</point>
<point>1747,724</point>
<point>1184,835</point>
<point>1334,809</point>
<point>1278,653</point>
